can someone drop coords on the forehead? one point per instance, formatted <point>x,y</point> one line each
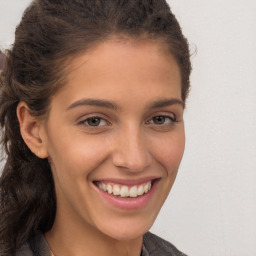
<point>120,69</point>
<point>124,51</point>
<point>134,55</point>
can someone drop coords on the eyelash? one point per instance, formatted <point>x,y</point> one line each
<point>85,122</point>
<point>171,119</point>
<point>150,121</point>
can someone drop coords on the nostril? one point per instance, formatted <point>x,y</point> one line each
<point>130,150</point>
<point>132,162</point>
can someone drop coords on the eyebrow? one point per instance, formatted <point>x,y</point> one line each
<point>165,103</point>
<point>108,104</point>
<point>94,102</point>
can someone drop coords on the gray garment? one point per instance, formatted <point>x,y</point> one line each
<point>152,246</point>
<point>155,246</point>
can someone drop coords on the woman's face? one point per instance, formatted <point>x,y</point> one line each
<point>113,131</point>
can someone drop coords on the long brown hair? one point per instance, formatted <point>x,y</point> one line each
<point>2,60</point>
<point>50,33</point>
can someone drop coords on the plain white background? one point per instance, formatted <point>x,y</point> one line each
<point>211,210</point>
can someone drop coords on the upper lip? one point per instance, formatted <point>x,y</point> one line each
<point>127,181</point>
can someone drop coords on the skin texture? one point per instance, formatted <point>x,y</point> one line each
<point>127,144</point>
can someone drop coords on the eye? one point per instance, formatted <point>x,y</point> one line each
<point>161,120</point>
<point>95,121</point>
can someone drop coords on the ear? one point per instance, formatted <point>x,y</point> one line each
<point>31,130</point>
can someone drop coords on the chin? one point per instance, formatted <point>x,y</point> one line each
<point>126,230</point>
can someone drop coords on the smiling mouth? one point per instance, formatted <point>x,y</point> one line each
<point>125,191</point>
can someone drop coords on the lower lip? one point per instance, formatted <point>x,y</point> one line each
<point>129,203</point>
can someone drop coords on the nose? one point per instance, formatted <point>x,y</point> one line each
<point>131,151</point>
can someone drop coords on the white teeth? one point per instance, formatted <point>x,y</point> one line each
<point>109,189</point>
<point>133,191</point>
<point>125,191</point>
<point>140,190</point>
<point>116,190</point>
<point>104,187</point>
<point>146,188</point>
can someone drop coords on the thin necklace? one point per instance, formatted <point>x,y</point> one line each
<point>51,253</point>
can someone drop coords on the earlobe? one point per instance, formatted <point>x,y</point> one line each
<point>30,128</point>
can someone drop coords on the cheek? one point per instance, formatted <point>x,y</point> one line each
<point>169,151</point>
<point>76,156</point>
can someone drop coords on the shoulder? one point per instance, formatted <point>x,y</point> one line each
<point>24,250</point>
<point>36,246</point>
<point>155,246</point>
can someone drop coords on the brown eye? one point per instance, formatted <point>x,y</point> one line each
<point>162,120</point>
<point>159,119</point>
<point>93,121</point>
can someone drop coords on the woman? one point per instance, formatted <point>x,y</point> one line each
<point>92,101</point>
